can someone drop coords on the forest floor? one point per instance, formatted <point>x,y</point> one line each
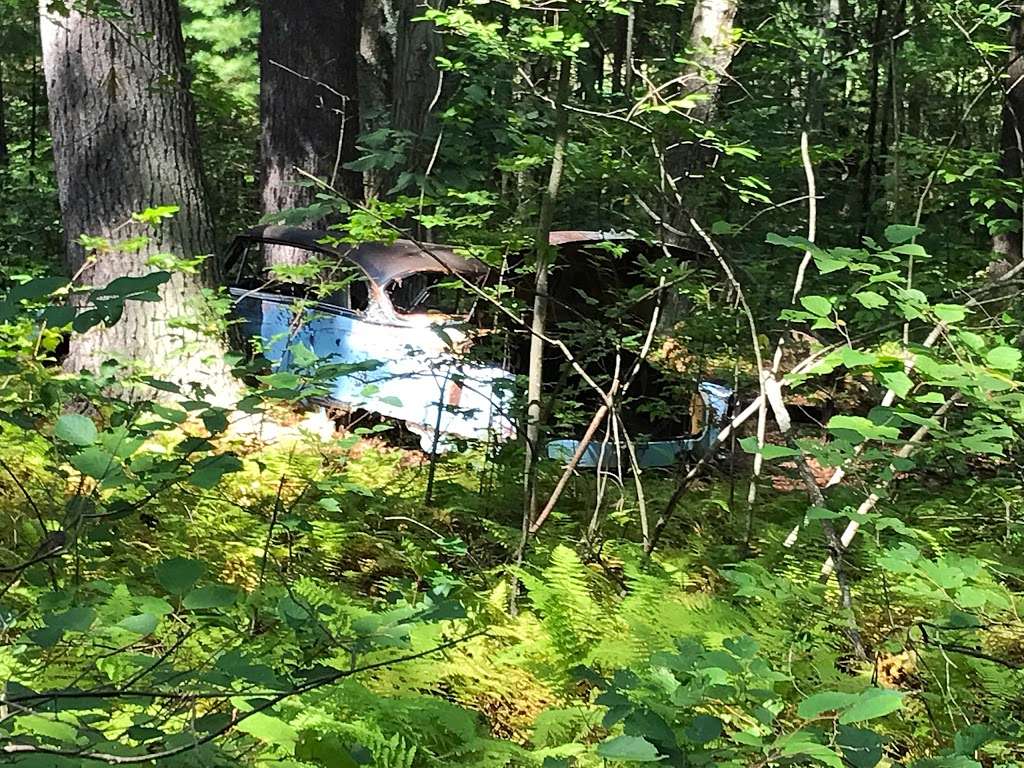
<point>350,526</point>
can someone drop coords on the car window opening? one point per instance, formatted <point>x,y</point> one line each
<point>431,293</point>
<point>341,284</point>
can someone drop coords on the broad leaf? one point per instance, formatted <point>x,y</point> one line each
<point>75,429</point>
<point>179,574</point>
<point>872,703</point>
<point>628,749</point>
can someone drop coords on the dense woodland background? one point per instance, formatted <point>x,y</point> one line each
<point>839,583</point>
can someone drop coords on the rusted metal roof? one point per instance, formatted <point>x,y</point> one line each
<point>580,236</point>
<point>387,262</point>
<point>382,262</point>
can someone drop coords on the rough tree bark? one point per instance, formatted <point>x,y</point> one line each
<point>377,40</point>
<point>416,83</point>
<point>309,100</point>
<point>124,139</point>
<point>711,47</point>
<point>1011,139</point>
<point>867,168</point>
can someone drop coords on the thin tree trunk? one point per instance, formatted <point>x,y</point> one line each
<point>619,53</point>
<point>820,78</point>
<point>867,169</point>
<point>4,154</point>
<point>308,102</point>
<point>627,82</point>
<point>1011,141</point>
<point>33,127</point>
<point>535,376</point>
<point>124,139</point>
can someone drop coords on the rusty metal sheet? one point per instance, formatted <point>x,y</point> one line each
<point>382,262</point>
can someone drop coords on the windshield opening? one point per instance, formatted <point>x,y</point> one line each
<point>432,293</point>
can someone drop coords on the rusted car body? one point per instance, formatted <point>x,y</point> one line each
<point>402,323</point>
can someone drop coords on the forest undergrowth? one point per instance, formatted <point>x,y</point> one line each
<point>343,526</point>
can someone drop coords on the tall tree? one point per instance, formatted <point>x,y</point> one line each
<point>124,139</point>
<point>416,87</point>
<point>309,100</point>
<point>711,48</point>
<point>3,121</point>
<point>1011,140</point>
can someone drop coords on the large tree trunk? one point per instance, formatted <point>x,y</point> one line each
<point>711,50</point>
<point>416,87</point>
<point>712,47</point>
<point>309,100</point>
<point>1011,160</point>
<point>124,139</point>
<point>377,43</point>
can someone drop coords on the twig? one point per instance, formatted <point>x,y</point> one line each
<point>812,213</point>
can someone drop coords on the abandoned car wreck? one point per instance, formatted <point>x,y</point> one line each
<point>397,325</point>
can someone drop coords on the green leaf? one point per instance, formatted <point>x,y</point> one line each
<point>49,728</point>
<point>142,288</point>
<point>173,415</point>
<point>211,596</point>
<point>628,749</point>
<point>77,619</point>
<point>861,748</point>
<point>324,749</point>
<point>59,315</point>
<point>179,574</point>
<point>871,299</point>
<point>157,214</point>
<point>822,513</point>
<point>901,233</point>
<point>866,428</point>
<point>972,597</point>
<point>140,624</point>
<point>897,381</point>
<point>802,745</point>
<point>1004,358</point>
<point>826,265</point>
<point>270,730</point>
<point>910,249</point>
<point>768,450</point>
<point>855,358</point>
<point>872,703</point>
<point>826,701</point>
<point>210,470</point>
<point>281,380</point>
<point>703,729</point>
<point>972,738</point>
<point>75,429</point>
<point>96,463</point>
<point>817,305</point>
<point>950,313</point>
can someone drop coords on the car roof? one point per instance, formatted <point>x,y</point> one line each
<point>387,262</point>
<point>382,262</point>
